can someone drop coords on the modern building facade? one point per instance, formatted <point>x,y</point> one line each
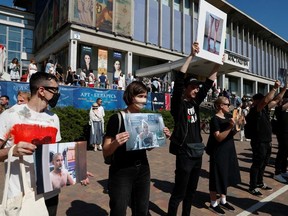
<point>16,34</point>
<point>144,33</point>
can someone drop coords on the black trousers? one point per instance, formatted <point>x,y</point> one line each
<point>186,180</point>
<point>282,154</point>
<point>52,205</point>
<point>260,158</point>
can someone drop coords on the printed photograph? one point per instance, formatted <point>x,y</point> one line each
<point>211,32</point>
<point>59,165</point>
<point>145,129</point>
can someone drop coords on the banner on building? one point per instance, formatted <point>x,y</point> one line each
<point>282,77</point>
<point>123,18</point>
<point>102,61</point>
<point>104,15</point>
<point>84,12</point>
<point>83,98</point>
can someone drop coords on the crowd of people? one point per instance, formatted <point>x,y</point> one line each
<point>129,171</point>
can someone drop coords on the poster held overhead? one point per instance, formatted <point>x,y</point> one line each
<point>211,32</point>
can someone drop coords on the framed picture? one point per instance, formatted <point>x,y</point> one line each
<point>60,164</point>
<point>145,130</point>
<point>282,76</point>
<point>211,32</point>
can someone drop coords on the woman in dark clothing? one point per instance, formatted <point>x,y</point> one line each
<point>129,173</point>
<point>224,168</point>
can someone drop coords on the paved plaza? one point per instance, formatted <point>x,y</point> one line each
<point>92,200</point>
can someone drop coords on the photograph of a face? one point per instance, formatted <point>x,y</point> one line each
<point>282,76</point>
<point>211,32</point>
<point>59,165</point>
<point>145,130</point>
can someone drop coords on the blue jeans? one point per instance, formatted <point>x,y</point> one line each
<point>129,185</point>
<point>260,158</point>
<point>186,180</point>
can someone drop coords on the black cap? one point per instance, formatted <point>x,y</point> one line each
<point>258,96</point>
<point>192,81</point>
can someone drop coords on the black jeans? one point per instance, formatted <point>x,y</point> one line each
<point>186,179</point>
<point>129,185</point>
<point>260,158</point>
<point>282,154</point>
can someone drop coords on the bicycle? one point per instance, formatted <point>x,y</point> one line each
<point>205,126</point>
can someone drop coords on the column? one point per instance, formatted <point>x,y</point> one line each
<point>129,63</point>
<point>72,54</point>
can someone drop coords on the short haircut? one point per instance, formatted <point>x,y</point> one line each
<point>133,89</point>
<point>40,79</point>
<point>24,94</point>
<point>5,96</point>
<point>56,155</point>
<point>98,99</point>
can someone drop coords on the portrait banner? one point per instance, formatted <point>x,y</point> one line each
<point>211,32</point>
<point>145,130</point>
<point>85,61</point>
<point>104,15</point>
<point>60,164</point>
<point>84,12</point>
<point>102,61</point>
<point>123,17</point>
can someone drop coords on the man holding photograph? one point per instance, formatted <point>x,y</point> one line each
<point>187,133</point>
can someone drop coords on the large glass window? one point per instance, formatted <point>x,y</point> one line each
<point>3,17</point>
<point>177,26</point>
<point>12,55</point>
<point>16,46</point>
<point>2,39</point>
<point>166,24</point>
<point>153,36</point>
<point>15,19</point>
<point>139,20</point>
<point>187,27</point>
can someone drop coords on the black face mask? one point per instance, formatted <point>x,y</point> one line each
<point>53,101</point>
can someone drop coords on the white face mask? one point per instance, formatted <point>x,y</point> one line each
<point>140,102</point>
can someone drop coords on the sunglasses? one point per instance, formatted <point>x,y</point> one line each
<point>53,90</point>
<point>227,104</point>
<point>95,108</point>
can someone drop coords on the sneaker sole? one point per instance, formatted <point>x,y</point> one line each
<point>280,181</point>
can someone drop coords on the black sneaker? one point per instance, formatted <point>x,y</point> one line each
<point>217,209</point>
<point>255,192</point>
<point>264,187</point>
<point>227,206</point>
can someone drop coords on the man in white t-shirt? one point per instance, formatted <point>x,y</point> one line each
<point>29,126</point>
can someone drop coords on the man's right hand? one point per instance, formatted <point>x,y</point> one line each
<point>195,48</point>
<point>23,148</point>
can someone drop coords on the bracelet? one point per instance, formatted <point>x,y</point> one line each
<point>274,89</point>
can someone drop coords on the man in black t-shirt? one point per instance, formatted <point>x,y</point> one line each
<point>187,133</point>
<point>261,140</point>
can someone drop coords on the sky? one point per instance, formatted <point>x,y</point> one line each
<point>270,13</point>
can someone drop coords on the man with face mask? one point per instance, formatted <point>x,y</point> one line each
<point>29,126</point>
<point>186,140</point>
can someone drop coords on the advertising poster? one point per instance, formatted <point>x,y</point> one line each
<point>145,130</point>
<point>84,12</point>
<point>59,165</point>
<point>85,61</point>
<point>102,61</point>
<point>122,19</point>
<point>211,32</point>
<point>104,15</point>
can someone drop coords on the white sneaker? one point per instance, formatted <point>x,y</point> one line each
<point>285,175</point>
<point>279,178</point>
